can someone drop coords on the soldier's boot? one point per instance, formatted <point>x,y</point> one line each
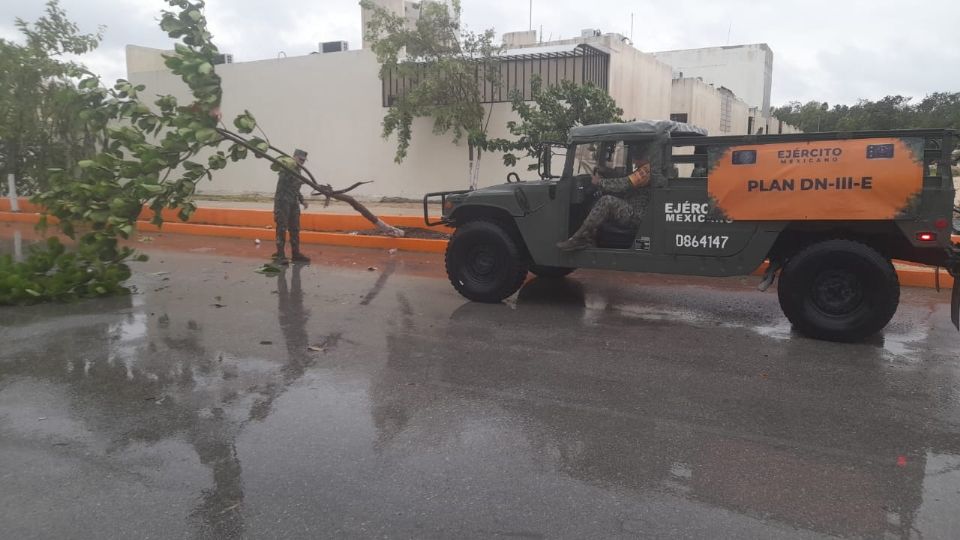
<point>280,256</point>
<point>297,257</point>
<point>576,242</point>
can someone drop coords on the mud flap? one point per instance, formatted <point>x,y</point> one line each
<point>955,304</point>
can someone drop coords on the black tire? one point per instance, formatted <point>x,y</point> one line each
<point>839,290</point>
<point>485,263</point>
<point>550,272</point>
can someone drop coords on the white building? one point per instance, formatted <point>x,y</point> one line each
<point>747,70</point>
<point>332,105</point>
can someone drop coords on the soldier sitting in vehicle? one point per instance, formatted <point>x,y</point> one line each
<point>624,202</point>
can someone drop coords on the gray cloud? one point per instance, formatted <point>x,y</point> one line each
<point>827,50</point>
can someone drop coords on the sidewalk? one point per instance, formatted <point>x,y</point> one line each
<point>316,207</point>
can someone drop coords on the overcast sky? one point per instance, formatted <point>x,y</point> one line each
<point>837,51</point>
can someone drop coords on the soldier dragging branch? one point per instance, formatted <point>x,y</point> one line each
<point>286,212</point>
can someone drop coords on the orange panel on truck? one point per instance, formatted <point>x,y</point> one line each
<point>859,179</point>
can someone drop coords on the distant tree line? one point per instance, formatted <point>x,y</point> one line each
<point>937,110</point>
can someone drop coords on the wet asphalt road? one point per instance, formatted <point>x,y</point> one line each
<point>337,401</point>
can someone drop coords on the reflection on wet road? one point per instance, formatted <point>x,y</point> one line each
<point>336,401</point>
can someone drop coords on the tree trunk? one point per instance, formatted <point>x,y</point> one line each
<point>470,166</point>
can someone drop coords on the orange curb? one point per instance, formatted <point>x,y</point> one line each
<point>910,274</point>
<point>263,219</point>
<point>20,217</point>
<point>25,205</point>
<point>307,237</point>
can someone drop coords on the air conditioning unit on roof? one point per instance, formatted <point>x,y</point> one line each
<point>334,46</point>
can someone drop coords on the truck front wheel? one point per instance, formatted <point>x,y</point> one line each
<point>839,290</point>
<point>485,262</point>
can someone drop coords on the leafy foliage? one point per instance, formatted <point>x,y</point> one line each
<point>449,64</point>
<point>554,111</point>
<point>937,110</point>
<point>52,273</point>
<point>40,125</point>
<point>149,158</point>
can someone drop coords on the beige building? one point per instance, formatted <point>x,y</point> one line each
<point>332,106</point>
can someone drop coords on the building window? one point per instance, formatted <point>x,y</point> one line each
<point>679,117</point>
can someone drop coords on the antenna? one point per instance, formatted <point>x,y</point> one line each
<point>531,15</point>
<point>631,27</point>
<point>729,29</point>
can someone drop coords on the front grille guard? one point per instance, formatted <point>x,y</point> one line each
<point>443,202</point>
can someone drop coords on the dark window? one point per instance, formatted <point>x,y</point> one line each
<point>679,117</point>
<point>880,151</point>
<point>744,157</point>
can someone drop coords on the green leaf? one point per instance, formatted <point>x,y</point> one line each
<point>245,123</point>
<point>268,269</point>
<point>205,68</point>
<point>206,135</point>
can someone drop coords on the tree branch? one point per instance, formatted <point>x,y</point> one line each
<point>326,191</point>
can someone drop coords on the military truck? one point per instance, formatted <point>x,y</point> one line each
<point>826,213</point>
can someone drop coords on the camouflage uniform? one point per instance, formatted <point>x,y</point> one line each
<point>626,208</point>
<point>286,212</point>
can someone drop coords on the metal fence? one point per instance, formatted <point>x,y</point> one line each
<point>514,74</point>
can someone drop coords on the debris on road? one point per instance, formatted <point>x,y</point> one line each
<point>268,269</point>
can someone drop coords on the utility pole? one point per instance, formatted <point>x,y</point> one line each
<point>531,15</point>
<point>12,192</point>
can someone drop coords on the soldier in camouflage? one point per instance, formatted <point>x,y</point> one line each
<point>286,212</point>
<point>625,203</point>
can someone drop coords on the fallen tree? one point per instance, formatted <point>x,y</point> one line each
<point>149,157</point>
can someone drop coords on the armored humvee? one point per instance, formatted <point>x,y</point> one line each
<point>827,212</point>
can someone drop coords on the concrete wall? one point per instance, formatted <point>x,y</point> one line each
<point>144,59</point>
<point>699,101</point>
<point>739,117</point>
<point>639,83</point>
<point>703,104</point>
<point>747,70</point>
<point>330,105</point>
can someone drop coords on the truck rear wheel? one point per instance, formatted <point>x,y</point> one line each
<point>839,290</point>
<point>485,262</point>
<point>550,272</point>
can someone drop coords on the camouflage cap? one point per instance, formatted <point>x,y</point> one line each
<point>299,154</point>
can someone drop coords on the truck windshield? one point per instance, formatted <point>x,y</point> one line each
<point>610,157</point>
